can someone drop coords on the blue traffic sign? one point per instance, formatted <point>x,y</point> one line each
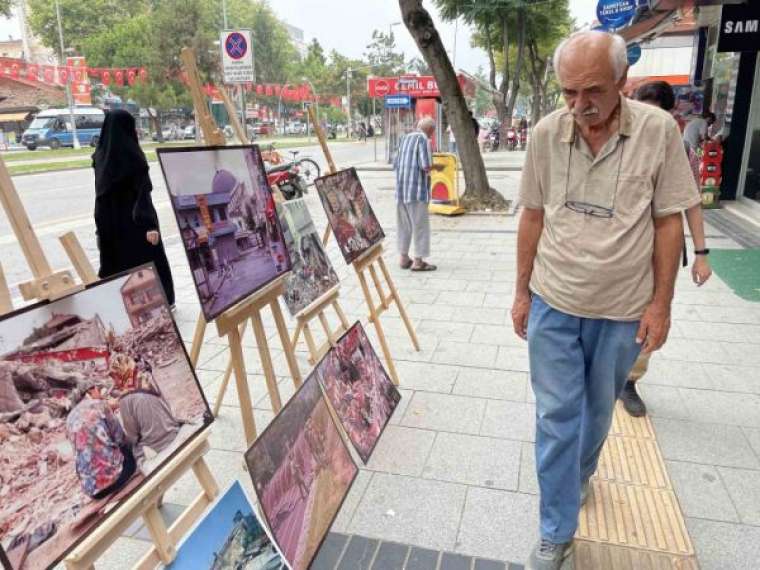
<point>634,53</point>
<point>614,14</point>
<point>398,102</point>
<point>236,46</point>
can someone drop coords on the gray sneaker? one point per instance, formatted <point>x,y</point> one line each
<point>549,556</point>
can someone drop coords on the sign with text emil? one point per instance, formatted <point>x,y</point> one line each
<point>237,56</point>
<point>740,27</point>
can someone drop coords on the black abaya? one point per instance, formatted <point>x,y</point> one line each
<point>124,211</point>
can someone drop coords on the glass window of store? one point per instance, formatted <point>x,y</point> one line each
<point>749,181</point>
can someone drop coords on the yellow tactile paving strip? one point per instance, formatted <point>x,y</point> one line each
<point>632,519</point>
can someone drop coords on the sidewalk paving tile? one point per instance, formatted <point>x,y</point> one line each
<point>352,500</point>
<point>422,559</point>
<point>723,546</point>
<point>461,298</point>
<point>391,556</point>
<point>451,561</point>
<point>733,378</point>
<point>444,412</point>
<point>330,552</point>
<point>410,510</point>
<point>711,444</point>
<point>427,377</point>
<point>678,374</point>
<point>510,420</point>
<point>664,402</point>
<point>722,407</point>
<point>460,332</point>
<point>502,335</point>
<point>513,358</point>
<point>474,460</point>
<point>402,450</point>
<point>406,397</point>
<point>744,487</point>
<point>358,554</point>
<point>495,384</point>
<point>701,492</point>
<point>753,436</point>
<point>483,564</point>
<point>498,524</point>
<point>465,354</point>
<point>528,476</point>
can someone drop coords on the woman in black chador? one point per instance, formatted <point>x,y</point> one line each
<point>126,221</point>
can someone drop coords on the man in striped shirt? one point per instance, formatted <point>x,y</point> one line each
<point>413,163</point>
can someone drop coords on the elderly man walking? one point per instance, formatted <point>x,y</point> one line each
<point>599,241</point>
<point>413,163</point>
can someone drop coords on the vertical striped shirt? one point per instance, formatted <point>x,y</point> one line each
<point>412,164</point>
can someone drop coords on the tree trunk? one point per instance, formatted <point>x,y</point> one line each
<point>478,193</point>
<point>514,91</point>
<point>154,120</point>
<point>500,101</point>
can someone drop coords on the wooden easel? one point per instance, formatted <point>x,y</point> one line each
<point>248,308</point>
<point>371,261</point>
<point>317,311</point>
<point>49,285</point>
<point>5,295</point>
<point>232,113</point>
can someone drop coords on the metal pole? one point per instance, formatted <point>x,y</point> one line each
<point>374,138</point>
<point>224,13</point>
<point>69,97</point>
<point>454,55</point>
<point>348,100</point>
<point>242,112</point>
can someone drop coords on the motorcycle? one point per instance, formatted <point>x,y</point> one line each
<point>511,138</point>
<point>292,178</point>
<point>492,141</point>
<point>523,138</point>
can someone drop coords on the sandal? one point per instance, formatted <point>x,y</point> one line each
<point>424,267</point>
<point>406,264</point>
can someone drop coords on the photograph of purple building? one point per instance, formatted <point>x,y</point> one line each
<point>228,222</point>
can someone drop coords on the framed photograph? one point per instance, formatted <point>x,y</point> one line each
<point>230,535</point>
<point>227,221</point>
<point>301,472</point>
<point>360,391</point>
<point>96,394</point>
<point>312,275</point>
<point>351,217</point>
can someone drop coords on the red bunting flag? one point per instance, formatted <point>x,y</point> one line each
<point>131,76</point>
<point>118,77</point>
<point>105,77</point>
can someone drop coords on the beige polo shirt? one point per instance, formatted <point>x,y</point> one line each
<point>598,267</point>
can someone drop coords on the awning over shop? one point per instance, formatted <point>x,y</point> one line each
<point>10,117</point>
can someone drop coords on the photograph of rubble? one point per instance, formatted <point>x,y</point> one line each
<point>301,472</point>
<point>229,537</point>
<point>227,220</point>
<point>312,275</point>
<point>359,390</point>
<point>351,217</point>
<point>96,393</point>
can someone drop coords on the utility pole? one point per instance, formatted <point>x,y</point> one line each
<point>348,101</point>
<point>69,97</point>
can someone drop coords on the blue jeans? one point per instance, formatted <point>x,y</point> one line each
<point>578,367</point>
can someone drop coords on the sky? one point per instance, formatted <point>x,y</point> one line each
<point>190,173</point>
<point>347,25</point>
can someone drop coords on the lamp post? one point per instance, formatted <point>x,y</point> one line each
<point>69,97</point>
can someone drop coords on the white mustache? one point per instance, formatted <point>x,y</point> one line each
<point>590,111</point>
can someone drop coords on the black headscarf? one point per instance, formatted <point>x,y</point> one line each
<point>118,155</point>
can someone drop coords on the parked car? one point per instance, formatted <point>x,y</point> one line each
<point>189,132</point>
<point>169,133</point>
<point>53,128</point>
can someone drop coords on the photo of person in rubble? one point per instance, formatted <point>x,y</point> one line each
<point>96,393</point>
<point>227,220</point>
<point>301,471</point>
<point>360,391</point>
<point>312,274</point>
<point>351,218</point>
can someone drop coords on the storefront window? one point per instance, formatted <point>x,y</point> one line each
<point>725,71</point>
<point>752,176</point>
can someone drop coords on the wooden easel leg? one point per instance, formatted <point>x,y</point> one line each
<point>378,286</point>
<point>326,236</point>
<point>399,304</point>
<point>241,381</point>
<point>326,327</point>
<point>297,335</point>
<point>266,361</point>
<point>158,532</point>
<point>226,380</point>
<point>200,333</point>
<point>206,479</point>
<point>289,349</point>
<point>341,314</point>
<point>373,317</point>
<point>313,350</point>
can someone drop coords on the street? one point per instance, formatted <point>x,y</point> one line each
<point>59,202</point>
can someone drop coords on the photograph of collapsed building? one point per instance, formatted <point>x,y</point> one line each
<point>96,393</point>
<point>359,389</point>
<point>312,275</point>
<point>229,537</point>
<point>228,222</point>
<point>351,217</point>
<point>301,472</point>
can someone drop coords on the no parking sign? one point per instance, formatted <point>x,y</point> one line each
<point>237,56</point>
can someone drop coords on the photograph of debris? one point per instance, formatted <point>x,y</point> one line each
<point>301,472</point>
<point>351,217</point>
<point>359,390</point>
<point>228,222</point>
<point>96,393</point>
<point>312,275</point>
<point>229,537</point>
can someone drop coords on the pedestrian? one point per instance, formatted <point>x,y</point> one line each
<point>413,163</point>
<point>660,93</point>
<point>603,188</point>
<point>125,219</point>
<point>696,130</point>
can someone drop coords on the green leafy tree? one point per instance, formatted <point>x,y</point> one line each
<point>6,7</point>
<point>380,55</point>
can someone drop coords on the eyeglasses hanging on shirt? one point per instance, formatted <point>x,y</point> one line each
<point>600,206</point>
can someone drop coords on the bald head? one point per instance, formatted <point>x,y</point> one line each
<point>591,68</point>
